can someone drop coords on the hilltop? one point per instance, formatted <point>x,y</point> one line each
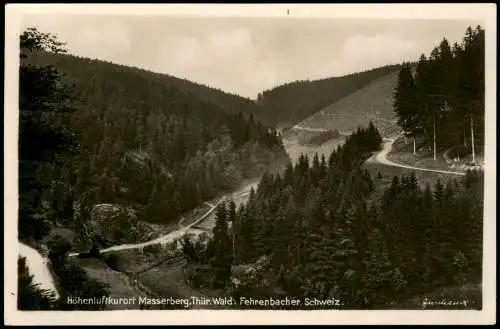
<point>72,64</point>
<point>291,103</point>
<point>280,106</point>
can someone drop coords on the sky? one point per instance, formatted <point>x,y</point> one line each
<point>245,56</point>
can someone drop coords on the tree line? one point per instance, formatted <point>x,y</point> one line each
<point>327,237</point>
<point>441,104</point>
<point>93,132</point>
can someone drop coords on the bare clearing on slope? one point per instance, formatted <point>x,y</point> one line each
<point>371,103</point>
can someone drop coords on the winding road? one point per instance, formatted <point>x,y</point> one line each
<point>381,157</point>
<point>167,238</point>
<point>38,265</point>
<point>238,196</point>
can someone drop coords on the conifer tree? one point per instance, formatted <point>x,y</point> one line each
<point>405,103</point>
<point>446,109</point>
<point>223,255</point>
<point>30,296</point>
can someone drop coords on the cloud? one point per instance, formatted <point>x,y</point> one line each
<point>247,56</point>
<point>225,59</point>
<point>107,41</point>
<point>94,37</point>
<point>362,52</point>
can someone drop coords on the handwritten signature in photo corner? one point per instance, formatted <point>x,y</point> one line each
<point>426,302</point>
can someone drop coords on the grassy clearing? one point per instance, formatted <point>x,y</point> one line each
<point>383,181</point>
<point>382,176</point>
<point>320,138</point>
<point>402,152</point>
<point>168,280</point>
<point>424,177</point>
<point>294,148</point>
<point>139,260</point>
<point>124,278</point>
<point>120,285</point>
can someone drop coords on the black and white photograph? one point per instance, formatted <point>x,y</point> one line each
<point>272,158</point>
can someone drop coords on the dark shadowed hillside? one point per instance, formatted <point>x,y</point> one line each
<point>147,149</point>
<point>295,101</point>
<point>282,105</point>
<point>228,102</point>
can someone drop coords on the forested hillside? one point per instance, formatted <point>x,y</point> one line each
<point>441,106</point>
<point>228,102</point>
<point>295,101</point>
<point>138,142</point>
<point>113,155</point>
<point>327,238</point>
<point>288,103</point>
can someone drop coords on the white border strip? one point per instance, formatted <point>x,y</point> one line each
<point>477,12</point>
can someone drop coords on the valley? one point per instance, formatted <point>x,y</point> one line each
<point>165,277</point>
<point>167,188</point>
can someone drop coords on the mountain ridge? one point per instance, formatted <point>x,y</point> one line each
<point>293,102</point>
<point>269,107</point>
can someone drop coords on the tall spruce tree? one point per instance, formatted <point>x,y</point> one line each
<point>222,245</point>
<point>405,103</point>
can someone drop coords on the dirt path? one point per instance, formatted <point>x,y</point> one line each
<point>319,130</point>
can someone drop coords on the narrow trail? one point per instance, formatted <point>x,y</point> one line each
<point>319,130</point>
<point>38,264</point>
